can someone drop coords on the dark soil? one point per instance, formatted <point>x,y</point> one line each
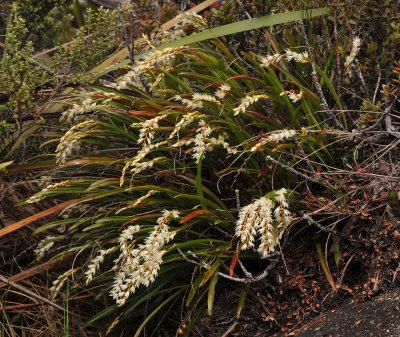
<point>297,292</point>
<point>378,317</point>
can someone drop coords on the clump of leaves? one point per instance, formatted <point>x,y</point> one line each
<point>155,159</point>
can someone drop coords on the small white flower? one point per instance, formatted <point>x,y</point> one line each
<point>293,95</point>
<point>223,89</point>
<point>266,61</point>
<point>354,51</point>
<point>276,137</point>
<point>298,57</point>
<point>246,102</point>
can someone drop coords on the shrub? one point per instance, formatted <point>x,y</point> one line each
<point>189,167</point>
<point>160,162</point>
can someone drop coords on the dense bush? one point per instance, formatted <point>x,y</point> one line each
<point>191,165</point>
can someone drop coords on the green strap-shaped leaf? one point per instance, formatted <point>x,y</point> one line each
<point>232,28</point>
<point>211,292</point>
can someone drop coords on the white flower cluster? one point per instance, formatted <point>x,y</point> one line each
<point>40,195</point>
<point>203,142</point>
<point>186,120</point>
<point>135,161</point>
<point>266,61</point>
<point>354,51</point>
<point>87,105</point>
<point>222,91</point>
<point>220,141</point>
<point>276,137</point>
<point>143,198</point>
<point>197,100</point>
<point>59,282</point>
<point>146,134</point>
<point>200,140</point>
<point>293,95</point>
<point>71,140</point>
<point>298,57</point>
<point>95,263</point>
<point>44,246</point>
<point>141,166</point>
<point>247,101</point>
<point>156,60</point>
<point>139,266</point>
<point>260,218</point>
<point>289,55</point>
<point>137,201</point>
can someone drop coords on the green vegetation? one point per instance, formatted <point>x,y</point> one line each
<point>182,169</point>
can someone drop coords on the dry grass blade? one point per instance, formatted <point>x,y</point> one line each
<point>38,269</point>
<point>30,293</point>
<point>35,217</point>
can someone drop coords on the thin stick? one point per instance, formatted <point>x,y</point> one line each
<point>317,85</point>
<point>230,330</point>
<point>127,42</point>
<point>30,293</point>
<point>322,228</point>
<point>377,86</point>
<point>291,169</point>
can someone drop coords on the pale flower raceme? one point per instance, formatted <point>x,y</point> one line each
<point>87,105</point>
<point>274,137</point>
<point>146,134</point>
<point>44,246</point>
<point>298,57</point>
<point>354,51</point>
<point>293,95</point>
<point>200,140</point>
<point>246,102</point>
<point>260,218</point>
<point>203,142</point>
<point>139,265</point>
<point>222,91</point>
<point>266,61</point>
<point>95,263</point>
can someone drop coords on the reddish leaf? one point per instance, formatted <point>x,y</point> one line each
<point>177,107</point>
<point>233,263</point>
<point>142,113</point>
<point>193,214</point>
<point>319,171</point>
<point>35,217</point>
<point>40,268</point>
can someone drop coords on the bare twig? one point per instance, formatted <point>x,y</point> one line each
<point>378,82</point>
<point>129,44</point>
<point>32,294</point>
<point>291,169</point>
<point>395,273</point>
<point>324,103</point>
<point>305,157</point>
<point>360,76</point>
<point>230,330</point>
<point>249,277</point>
<point>322,228</point>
